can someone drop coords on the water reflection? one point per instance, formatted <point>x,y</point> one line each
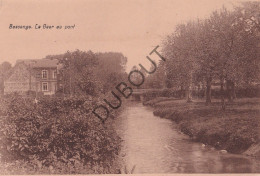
<point>154,145</point>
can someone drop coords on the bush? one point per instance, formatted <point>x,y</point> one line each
<point>248,92</point>
<point>163,93</point>
<point>54,132</point>
<point>150,95</point>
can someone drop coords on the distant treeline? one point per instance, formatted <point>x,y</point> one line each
<point>223,49</point>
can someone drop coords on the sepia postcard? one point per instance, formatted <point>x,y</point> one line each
<point>129,87</point>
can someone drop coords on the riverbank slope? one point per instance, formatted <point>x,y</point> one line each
<point>235,130</point>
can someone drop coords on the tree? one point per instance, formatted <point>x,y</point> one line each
<point>157,79</point>
<point>224,47</point>
<point>90,73</point>
<point>181,53</point>
<point>111,69</point>
<point>238,47</point>
<point>78,71</point>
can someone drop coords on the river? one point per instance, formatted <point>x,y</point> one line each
<point>154,145</point>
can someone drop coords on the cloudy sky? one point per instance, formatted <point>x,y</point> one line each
<point>133,27</point>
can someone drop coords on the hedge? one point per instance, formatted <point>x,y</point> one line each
<point>240,93</point>
<point>56,133</point>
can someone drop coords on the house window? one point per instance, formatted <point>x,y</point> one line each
<point>44,74</point>
<point>55,74</point>
<point>44,86</point>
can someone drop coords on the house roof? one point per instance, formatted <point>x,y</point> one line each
<point>40,63</point>
<point>45,63</point>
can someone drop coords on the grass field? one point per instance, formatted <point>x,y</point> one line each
<point>236,129</point>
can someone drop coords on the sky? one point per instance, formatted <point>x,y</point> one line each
<point>133,27</point>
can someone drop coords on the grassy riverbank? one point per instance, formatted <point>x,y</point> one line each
<point>236,129</point>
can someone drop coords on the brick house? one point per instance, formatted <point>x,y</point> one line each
<point>33,75</point>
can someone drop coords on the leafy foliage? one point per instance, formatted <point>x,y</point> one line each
<point>90,73</point>
<point>56,133</point>
<point>223,48</point>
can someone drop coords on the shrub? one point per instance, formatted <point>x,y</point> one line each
<point>55,131</point>
<point>162,93</point>
<point>248,92</point>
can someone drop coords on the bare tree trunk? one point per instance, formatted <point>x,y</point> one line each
<point>204,90</point>
<point>181,92</point>
<point>208,91</point>
<point>189,93</point>
<point>231,90</point>
<point>198,91</point>
<point>223,104</point>
<point>189,89</point>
